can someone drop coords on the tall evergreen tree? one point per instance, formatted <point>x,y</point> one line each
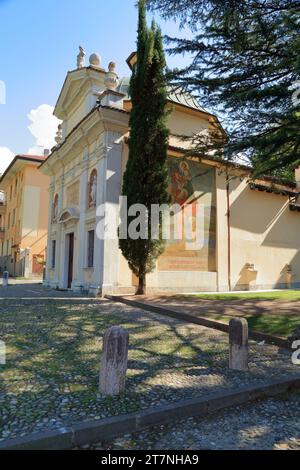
<point>146,175</point>
<point>246,59</point>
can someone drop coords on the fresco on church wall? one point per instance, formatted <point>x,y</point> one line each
<point>190,182</point>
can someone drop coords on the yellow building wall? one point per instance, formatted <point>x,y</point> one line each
<point>30,203</point>
<point>35,210</point>
<point>13,203</point>
<point>264,233</point>
<point>185,122</point>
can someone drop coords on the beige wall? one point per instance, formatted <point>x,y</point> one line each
<point>222,232</point>
<point>183,121</point>
<point>264,232</point>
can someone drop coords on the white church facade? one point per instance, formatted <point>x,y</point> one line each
<point>246,241</point>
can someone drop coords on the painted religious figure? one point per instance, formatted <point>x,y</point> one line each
<point>93,189</point>
<point>181,187</point>
<point>192,183</point>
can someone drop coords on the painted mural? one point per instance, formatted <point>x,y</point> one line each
<point>192,184</point>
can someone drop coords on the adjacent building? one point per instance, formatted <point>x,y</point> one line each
<point>24,204</point>
<point>250,229</point>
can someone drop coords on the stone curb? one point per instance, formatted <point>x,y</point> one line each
<point>95,431</point>
<point>187,317</point>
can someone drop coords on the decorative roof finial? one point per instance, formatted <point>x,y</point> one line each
<point>112,67</point>
<point>58,137</point>
<point>95,60</point>
<point>111,78</point>
<point>81,58</point>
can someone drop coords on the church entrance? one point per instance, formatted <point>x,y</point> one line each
<point>70,245</point>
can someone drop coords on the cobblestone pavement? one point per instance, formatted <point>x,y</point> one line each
<point>33,289</point>
<point>273,424</point>
<point>50,379</point>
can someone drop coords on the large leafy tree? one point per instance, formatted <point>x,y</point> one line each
<point>245,61</point>
<point>146,175</point>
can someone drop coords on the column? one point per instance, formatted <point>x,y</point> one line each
<point>99,243</point>
<point>60,249</point>
<point>111,255</point>
<point>79,283</point>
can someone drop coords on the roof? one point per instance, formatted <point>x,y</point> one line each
<point>26,158</point>
<point>175,95</point>
<point>179,96</point>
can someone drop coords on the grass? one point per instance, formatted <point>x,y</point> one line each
<point>277,325</point>
<point>287,295</point>
<point>271,320</point>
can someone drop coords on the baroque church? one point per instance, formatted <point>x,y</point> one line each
<point>250,228</point>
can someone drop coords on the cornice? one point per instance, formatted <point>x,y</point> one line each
<point>83,135</point>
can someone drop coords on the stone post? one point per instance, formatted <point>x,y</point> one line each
<point>114,361</point>
<point>27,264</point>
<point>5,279</point>
<point>239,348</point>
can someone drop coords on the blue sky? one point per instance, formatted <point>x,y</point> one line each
<point>39,43</point>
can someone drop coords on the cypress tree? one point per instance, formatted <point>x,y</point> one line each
<point>245,61</point>
<point>146,175</point>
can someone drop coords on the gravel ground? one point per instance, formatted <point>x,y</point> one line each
<point>54,347</point>
<point>273,424</point>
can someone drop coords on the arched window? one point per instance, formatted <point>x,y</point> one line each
<point>55,209</point>
<point>92,189</point>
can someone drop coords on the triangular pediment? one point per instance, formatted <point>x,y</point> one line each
<point>77,85</point>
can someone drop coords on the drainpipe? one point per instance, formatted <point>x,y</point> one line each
<point>228,229</point>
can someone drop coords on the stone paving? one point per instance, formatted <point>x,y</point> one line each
<point>33,289</point>
<point>54,347</point>
<point>273,424</point>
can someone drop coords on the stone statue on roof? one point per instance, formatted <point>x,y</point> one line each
<point>81,58</point>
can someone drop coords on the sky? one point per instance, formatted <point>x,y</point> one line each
<point>39,43</point>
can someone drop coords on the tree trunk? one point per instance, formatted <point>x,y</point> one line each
<point>142,284</point>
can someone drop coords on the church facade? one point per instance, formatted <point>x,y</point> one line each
<point>250,228</point>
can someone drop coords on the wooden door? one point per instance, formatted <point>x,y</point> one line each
<point>71,258</point>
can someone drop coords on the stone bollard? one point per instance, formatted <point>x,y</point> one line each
<point>114,361</point>
<point>239,348</point>
<point>5,279</point>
